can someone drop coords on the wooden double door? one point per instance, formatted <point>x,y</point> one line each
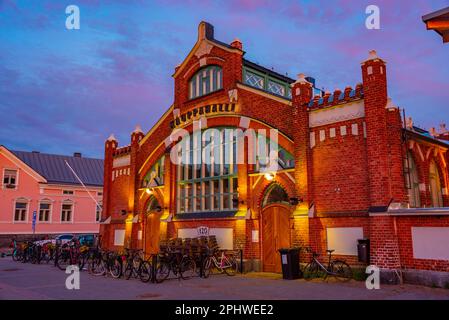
<point>152,230</point>
<point>275,235</point>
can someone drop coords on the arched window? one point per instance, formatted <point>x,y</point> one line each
<point>153,205</point>
<point>275,194</point>
<point>435,186</point>
<point>155,176</point>
<point>412,181</point>
<point>208,185</point>
<point>206,80</point>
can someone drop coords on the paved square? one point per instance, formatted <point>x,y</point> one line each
<point>27,281</point>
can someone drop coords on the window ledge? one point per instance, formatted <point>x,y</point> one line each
<point>189,100</point>
<point>205,215</point>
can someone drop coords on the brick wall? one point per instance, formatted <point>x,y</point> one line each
<point>339,169</point>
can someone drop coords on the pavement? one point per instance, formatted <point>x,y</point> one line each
<point>27,281</point>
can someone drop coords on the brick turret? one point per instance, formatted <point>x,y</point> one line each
<point>383,132</point>
<point>136,136</point>
<point>109,150</point>
<point>301,95</point>
<point>375,90</point>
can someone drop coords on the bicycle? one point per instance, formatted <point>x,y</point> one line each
<point>17,253</point>
<point>225,263</point>
<point>337,268</point>
<point>72,254</point>
<point>136,265</point>
<point>173,261</point>
<point>104,262</point>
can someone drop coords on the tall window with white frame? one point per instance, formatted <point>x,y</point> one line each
<point>20,211</point>
<point>435,185</point>
<point>10,179</point>
<point>208,186</point>
<point>412,181</point>
<point>67,212</point>
<point>98,209</point>
<point>205,81</point>
<point>44,211</point>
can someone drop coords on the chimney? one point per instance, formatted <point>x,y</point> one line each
<point>77,154</point>
<point>433,132</point>
<point>236,43</point>
<point>205,31</point>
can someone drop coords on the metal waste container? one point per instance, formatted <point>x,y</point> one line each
<point>363,250</point>
<point>290,263</point>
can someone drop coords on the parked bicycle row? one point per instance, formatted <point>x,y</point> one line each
<point>177,258</point>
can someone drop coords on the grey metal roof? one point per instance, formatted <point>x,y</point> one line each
<point>435,14</point>
<point>53,168</point>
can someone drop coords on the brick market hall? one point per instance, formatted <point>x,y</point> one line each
<point>349,166</point>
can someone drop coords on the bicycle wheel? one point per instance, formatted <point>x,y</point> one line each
<point>232,269</point>
<point>207,267</point>
<point>187,268</point>
<point>128,271</point>
<point>16,255</point>
<point>98,266</point>
<point>341,270</point>
<point>162,271</point>
<point>311,271</point>
<point>145,271</point>
<point>63,260</point>
<point>81,261</point>
<point>115,268</point>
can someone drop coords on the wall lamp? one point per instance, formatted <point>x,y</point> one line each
<point>295,201</point>
<point>236,202</point>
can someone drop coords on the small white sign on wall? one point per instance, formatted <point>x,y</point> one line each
<point>139,235</point>
<point>119,237</point>
<point>255,236</point>
<point>344,240</point>
<point>430,243</point>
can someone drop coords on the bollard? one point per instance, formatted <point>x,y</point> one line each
<point>153,268</point>
<point>241,261</point>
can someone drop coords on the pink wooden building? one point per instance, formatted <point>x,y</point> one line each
<point>49,186</point>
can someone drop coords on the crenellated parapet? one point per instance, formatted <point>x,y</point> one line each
<point>122,151</point>
<point>338,97</point>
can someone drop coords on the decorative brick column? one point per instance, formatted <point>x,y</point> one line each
<point>301,95</point>
<point>105,229</point>
<point>384,156</point>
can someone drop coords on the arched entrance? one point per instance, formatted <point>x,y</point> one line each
<point>152,226</point>
<point>275,227</point>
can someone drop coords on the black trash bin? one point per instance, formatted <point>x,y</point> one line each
<point>290,263</point>
<point>363,250</point>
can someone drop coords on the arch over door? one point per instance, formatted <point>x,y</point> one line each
<point>275,235</point>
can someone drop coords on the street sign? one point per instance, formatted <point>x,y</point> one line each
<point>33,224</point>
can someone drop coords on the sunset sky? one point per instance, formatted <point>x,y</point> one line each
<point>63,90</point>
